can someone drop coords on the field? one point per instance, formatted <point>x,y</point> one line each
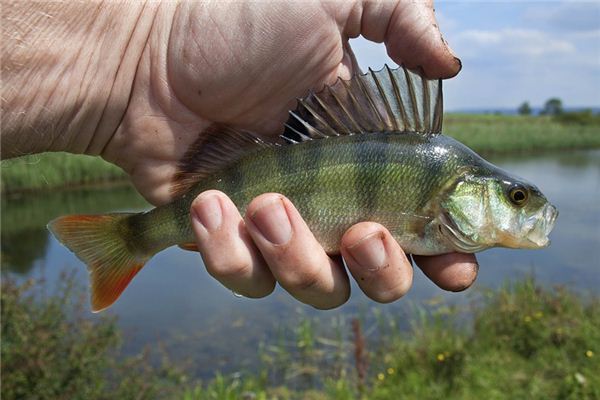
<point>483,133</point>
<point>521,341</point>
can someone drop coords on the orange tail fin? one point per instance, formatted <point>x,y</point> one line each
<point>101,242</point>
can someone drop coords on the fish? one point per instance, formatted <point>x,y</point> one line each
<point>366,149</point>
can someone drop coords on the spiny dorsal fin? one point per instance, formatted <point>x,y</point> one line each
<point>388,100</point>
<point>217,147</point>
<point>384,101</point>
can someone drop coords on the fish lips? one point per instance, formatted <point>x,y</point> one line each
<point>541,224</point>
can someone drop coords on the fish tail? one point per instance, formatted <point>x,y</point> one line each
<point>104,243</point>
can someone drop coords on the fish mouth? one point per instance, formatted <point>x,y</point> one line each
<point>542,224</point>
<point>461,243</point>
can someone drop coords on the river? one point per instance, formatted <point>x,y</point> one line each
<point>175,302</point>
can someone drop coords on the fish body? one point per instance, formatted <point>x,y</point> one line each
<point>386,163</point>
<point>396,180</point>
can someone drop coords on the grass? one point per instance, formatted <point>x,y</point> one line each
<point>513,134</point>
<point>522,341</point>
<point>483,133</point>
<point>56,170</point>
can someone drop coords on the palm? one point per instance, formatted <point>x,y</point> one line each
<point>212,77</point>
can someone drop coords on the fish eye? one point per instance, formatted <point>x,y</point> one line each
<point>518,195</point>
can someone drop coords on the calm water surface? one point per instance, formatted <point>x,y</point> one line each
<point>174,301</point>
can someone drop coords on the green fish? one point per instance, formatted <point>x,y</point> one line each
<point>367,149</point>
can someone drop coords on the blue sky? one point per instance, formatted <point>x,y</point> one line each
<point>514,51</point>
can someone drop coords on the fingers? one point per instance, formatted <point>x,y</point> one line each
<point>297,261</point>
<point>454,271</point>
<point>376,262</point>
<point>274,243</point>
<point>228,252</point>
<point>411,35</point>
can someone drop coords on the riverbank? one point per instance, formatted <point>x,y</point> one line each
<point>521,341</point>
<point>57,170</point>
<point>483,133</point>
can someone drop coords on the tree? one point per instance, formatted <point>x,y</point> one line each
<point>524,109</point>
<point>553,107</point>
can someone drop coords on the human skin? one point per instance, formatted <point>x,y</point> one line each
<point>138,82</point>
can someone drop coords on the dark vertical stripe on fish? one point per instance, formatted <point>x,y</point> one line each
<point>370,159</point>
<point>313,162</point>
<point>181,213</point>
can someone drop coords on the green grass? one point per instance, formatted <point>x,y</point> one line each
<point>483,133</point>
<point>56,170</point>
<point>512,134</point>
<point>521,341</point>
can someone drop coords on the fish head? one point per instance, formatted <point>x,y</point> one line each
<point>496,210</point>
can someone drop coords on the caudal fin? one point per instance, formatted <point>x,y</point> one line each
<point>101,241</point>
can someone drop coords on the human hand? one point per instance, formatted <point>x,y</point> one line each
<point>152,77</point>
<point>242,65</point>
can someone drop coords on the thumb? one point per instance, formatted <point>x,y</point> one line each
<point>410,32</point>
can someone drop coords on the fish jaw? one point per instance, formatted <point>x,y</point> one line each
<point>542,224</point>
<point>534,231</point>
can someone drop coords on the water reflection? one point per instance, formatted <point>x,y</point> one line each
<point>21,248</point>
<point>175,301</point>
<point>24,218</point>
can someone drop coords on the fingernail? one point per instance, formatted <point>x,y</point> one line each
<point>273,222</point>
<point>369,252</point>
<point>457,60</point>
<point>207,211</point>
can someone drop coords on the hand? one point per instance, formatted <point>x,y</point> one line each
<point>157,75</point>
<point>242,65</point>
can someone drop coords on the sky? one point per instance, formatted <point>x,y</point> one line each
<point>514,51</point>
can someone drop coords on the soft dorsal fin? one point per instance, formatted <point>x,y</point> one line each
<point>388,100</point>
<point>218,146</point>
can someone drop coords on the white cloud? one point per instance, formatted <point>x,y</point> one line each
<point>519,42</point>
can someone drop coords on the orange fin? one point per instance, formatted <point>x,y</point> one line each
<point>103,243</point>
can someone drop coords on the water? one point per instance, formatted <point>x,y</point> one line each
<point>175,302</point>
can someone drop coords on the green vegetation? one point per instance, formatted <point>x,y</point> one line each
<point>522,341</point>
<point>524,109</point>
<point>553,106</point>
<point>52,170</point>
<point>513,134</point>
<point>483,133</point>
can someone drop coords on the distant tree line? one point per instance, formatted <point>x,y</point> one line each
<point>553,107</point>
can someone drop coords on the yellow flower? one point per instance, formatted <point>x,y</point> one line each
<point>527,318</point>
<point>391,371</point>
<point>538,314</point>
<point>380,376</point>
<point>589,354</point>
<point>441,357</point>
